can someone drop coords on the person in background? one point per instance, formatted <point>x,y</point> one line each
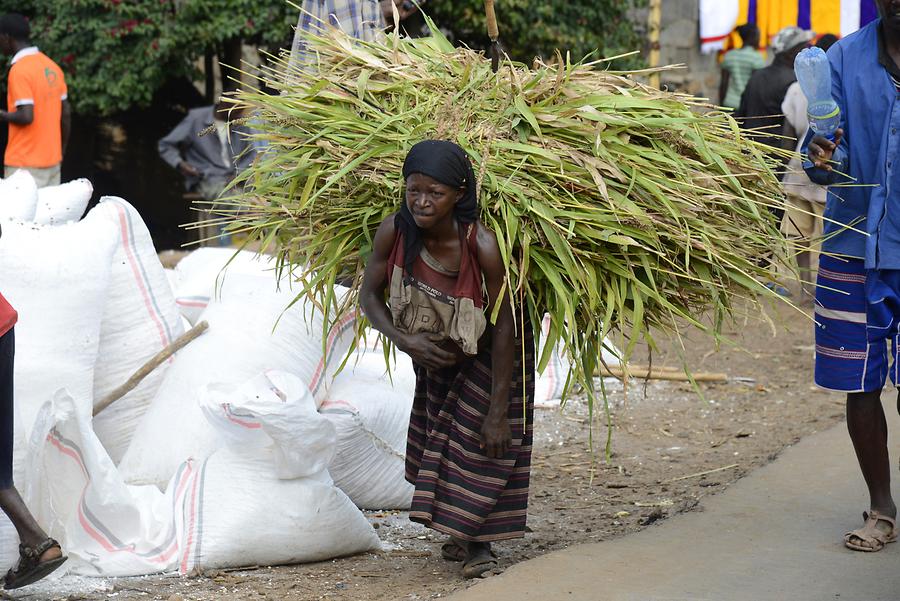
<point>805,200</point>
<point>434,278</point>
<point>209,152</point>
<point>738,65</point>
<point>38,111</point>
<point>760,108</point>
<point>858,285</point>
<point>360,19</point>
<point>39,555</point>
<point>207,162</point>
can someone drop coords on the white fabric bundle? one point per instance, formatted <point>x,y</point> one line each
<point>229,510</point>
<point>251,331</point>
<point>63,203</point>
<point>717,20</point>
<point>197,279</point>
<point>371,414</point>
<point>57,279</point>
<point>18,197</point>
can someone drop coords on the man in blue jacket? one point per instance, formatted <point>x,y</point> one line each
<point>858,287</point>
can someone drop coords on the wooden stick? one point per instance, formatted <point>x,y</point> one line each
<point>157,360</point>
<point>645,373</point>
<point>707,472</point>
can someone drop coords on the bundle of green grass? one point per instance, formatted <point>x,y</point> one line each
<point>620,209</point>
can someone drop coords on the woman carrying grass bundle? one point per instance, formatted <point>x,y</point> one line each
<point>469,447</point>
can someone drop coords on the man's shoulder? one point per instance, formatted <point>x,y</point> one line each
<point>37,64</point>
<point>201,113</point>
<point>863,40</point>
<point>761,75</point>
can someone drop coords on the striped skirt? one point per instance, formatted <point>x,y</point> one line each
<point>459,490</point>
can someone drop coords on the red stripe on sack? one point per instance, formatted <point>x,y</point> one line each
<point>226,409</point>
<point>185,303</point>
<point>101,539</point>
<point>67,451</point>
<point>142,286</point>
<point>317,377</point>
<point>184,478</point>
<point>193,520</point>
<point>338,403</point>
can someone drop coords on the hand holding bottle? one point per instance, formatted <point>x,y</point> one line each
<point>821,149</point>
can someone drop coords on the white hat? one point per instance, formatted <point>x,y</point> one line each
<point>789,37</point>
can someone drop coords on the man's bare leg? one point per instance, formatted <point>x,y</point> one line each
<point>868,431</point>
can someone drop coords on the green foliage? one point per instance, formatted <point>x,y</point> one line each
<point>530,28</point>
<point>117,54</point>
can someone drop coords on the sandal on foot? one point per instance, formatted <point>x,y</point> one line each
<point>30,568</point>
<point>870,533</point>
<point>453,551</point>
<point>478,566</point>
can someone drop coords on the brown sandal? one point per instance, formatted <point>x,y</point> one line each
<point>870,533</point>
<point>30,568</point>
<point>453,551</point>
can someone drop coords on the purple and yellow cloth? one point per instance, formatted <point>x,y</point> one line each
<point>718,18</point>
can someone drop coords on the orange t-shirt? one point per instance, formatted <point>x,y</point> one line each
<point>35,79</point>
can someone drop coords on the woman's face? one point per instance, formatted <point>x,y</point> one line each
<point>430,201</point>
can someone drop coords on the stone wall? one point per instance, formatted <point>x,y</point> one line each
<point>680,44</point>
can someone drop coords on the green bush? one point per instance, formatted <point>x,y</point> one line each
<point>530,28</point>
<point>118,53</point>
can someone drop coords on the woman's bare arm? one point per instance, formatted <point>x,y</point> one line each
<point>496,434</point>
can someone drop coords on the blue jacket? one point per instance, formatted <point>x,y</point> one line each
<point>868,153</point>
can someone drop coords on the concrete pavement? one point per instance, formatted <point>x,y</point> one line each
<point>774,535</point>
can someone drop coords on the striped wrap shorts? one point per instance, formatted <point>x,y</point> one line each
<point>857,318</point>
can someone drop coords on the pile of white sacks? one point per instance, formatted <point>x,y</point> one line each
<point>246,448</point>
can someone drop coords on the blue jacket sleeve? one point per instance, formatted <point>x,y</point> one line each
<point>841,157</point>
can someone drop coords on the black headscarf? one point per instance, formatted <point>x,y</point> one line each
<point>449,164</point>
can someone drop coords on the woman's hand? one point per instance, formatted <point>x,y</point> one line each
<point>496,436</point>
<point>820,150</point>
<point>424,350</point>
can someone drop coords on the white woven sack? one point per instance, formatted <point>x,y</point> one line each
<point>251,331</point>
<point>64,203</point>
<point>18,197</point>
<point>273,410</point>
<point>140,320</point>
<point>371,415</point>
<point>549,385</point>
<point>57,279</point>
<point>200,276</point>
<point>106,527</point>
<point>239,513</point>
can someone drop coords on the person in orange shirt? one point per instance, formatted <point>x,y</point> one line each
<point>40,118</point>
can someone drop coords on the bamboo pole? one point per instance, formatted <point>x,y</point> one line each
<point>654,26</point>
<point>157,360</point>
<point>660,373</point>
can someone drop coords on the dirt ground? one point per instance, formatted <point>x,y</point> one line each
<point>670,449</point>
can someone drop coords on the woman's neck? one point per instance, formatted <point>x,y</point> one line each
<point>442,232</point>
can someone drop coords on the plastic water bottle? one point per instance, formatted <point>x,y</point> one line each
<point>814,76</point>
